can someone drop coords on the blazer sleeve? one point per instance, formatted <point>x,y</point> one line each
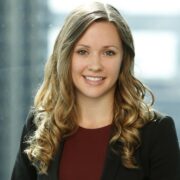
<point>165,152</point>
<point>23,170</point>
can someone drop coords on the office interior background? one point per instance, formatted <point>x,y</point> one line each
<point>27,33</point>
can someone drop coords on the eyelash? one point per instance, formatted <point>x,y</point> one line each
<point>85,52</point>
<point>109,53</point>
<point>82,52</point>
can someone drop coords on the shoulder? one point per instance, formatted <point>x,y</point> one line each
<point>23,168</point>
<point>160,148</point>
<point>161,125</point>
<point>30,119</point>
<point>160,153</point>
<point>29,125</point>
<point>159,137</point>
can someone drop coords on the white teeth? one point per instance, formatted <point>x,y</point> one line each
<point>93,78</point>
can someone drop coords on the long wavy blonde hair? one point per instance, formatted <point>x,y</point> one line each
<point>55,110</point>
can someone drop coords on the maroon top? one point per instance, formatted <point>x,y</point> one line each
<point>84,154</point>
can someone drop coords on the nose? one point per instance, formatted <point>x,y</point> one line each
<point>95,63</point>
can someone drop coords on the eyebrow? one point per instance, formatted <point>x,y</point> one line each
<point>107,46</point>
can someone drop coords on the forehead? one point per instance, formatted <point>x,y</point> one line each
<point>101,32</point>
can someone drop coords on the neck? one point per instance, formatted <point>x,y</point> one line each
<point>95,113</point>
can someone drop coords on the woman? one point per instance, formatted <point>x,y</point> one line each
<point>90,120</point>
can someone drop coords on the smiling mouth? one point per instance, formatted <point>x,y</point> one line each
<point>94,78</point>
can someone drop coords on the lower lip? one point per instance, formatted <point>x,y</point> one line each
<point>94,83</point>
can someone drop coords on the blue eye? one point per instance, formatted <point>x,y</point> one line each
<point>109,53</point>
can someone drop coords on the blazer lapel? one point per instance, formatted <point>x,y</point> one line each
<point>112,162</point>
<point>53,171</point>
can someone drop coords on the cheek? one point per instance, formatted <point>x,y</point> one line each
<point>114,68</point>
<point>74,65</point>
<point>77,66</point>
<point>74,72</point>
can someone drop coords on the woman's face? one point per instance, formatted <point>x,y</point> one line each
<point>96,61</point>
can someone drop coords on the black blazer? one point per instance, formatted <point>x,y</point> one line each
<point>158,156</point>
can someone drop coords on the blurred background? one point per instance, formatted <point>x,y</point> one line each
<point>27,33</point>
